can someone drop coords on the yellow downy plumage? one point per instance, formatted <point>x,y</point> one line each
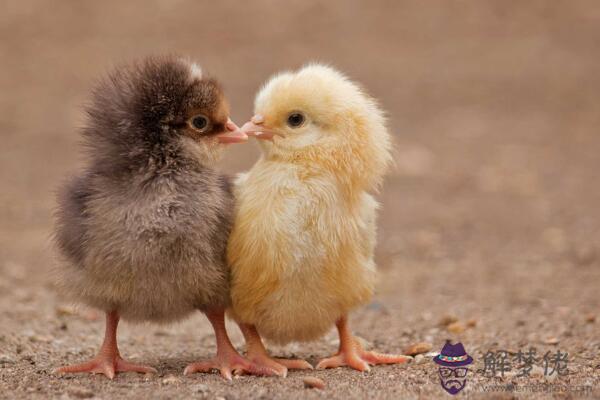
<point>301,249</point>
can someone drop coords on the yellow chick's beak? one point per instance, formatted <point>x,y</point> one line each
<point>255,128</point>
<point>233,134</point>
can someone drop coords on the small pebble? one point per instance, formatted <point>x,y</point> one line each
<point>418,348</point>
<point>455,327</point>
<point>590,318</point>
<point>447,320</point>
<point>65,310</point>
<point>6,359</point>
<point>472,323</point>
<point>551,340</point>
<point>312,382</point>
<point>40,339</point>
<point>28,358</point>
<point>170,380</point>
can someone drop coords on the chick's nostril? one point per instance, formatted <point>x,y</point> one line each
<point>258,119</point>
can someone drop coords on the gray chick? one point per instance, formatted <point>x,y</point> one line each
<point>144,227</point>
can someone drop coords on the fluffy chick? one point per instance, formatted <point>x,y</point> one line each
<point>143,228</point>
<point>301,249</point>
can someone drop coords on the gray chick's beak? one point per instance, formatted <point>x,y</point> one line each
<point>232,134</point>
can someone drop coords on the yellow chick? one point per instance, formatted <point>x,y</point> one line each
<point>301,249</point>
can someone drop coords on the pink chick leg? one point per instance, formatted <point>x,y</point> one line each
<point>227,360</point>
<point>108,361</point>
<point>352,354</point>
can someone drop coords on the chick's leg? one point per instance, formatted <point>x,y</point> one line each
<point>108,361</point>
<point>227,360</point>
<point>257,353</point>
<point>352,354</point>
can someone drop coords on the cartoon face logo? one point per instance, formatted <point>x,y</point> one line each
<point>453,370</point>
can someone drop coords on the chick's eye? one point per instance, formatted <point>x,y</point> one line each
<point>199,122</point>
<point>295,120</point>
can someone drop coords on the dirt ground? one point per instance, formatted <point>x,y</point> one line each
<point>490,214</point>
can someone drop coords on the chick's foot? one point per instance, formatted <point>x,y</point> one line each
<point>227,364</point>
<point>352,354</point>
<point>257,354</point>
<point>108,361</point>
<point>107,365</point>
<point>227,361</point>
<point>279,365</point>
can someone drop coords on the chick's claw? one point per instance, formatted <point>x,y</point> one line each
<point>207,366</point>
<point>294,363</point>
<point>340,360</point>
<point>379,358</point>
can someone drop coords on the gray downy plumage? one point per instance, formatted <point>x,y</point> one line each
<point>143,228</point>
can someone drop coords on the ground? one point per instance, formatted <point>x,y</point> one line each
<point>490,214</point>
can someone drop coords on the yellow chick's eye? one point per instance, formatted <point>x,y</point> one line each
<point>296,119</point>
<point>199,123</point>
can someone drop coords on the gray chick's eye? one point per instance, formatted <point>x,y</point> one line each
<point>199,122</point>
<point>295,120</point>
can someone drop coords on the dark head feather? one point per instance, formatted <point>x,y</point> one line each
<point>139,112</point>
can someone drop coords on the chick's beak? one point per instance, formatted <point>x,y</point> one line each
<point>232,134</point>
<point>255,127</point>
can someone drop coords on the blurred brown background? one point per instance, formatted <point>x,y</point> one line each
<point>490,214</point>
